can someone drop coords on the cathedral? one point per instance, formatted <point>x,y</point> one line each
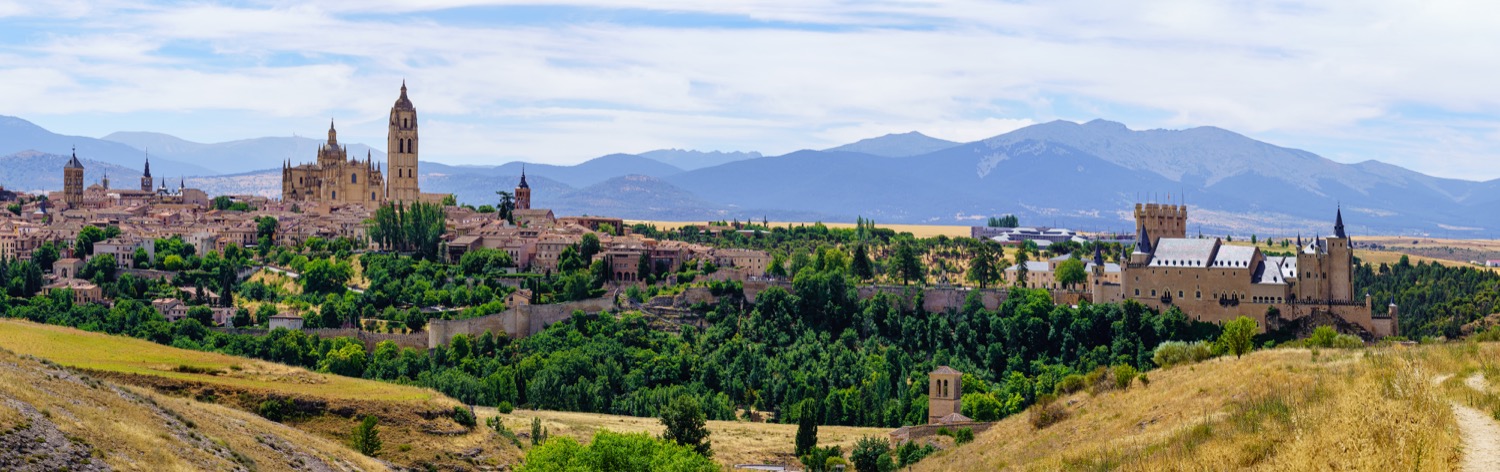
<point>335,178</point>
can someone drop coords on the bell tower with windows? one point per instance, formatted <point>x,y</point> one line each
<point>401,151</point>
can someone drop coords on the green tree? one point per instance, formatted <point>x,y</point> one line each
<point>366,437</point>
<point>984,269</point>
<point>1237,336</point>
<point>861,266</point>
<point>99,269</point>
<point>84,244</point>
<point>45,255</point>
<point>907,264</point>
<point>140,260</point>
<point>588,246</point>
<point>1022,257</point>
<point>415,228</point>
<point>538,435</point>
<point>1070,273</point>
<point>872,454</point>
<point>265,227</point>
<point>807,428</point>
<point>507,206</point>
<point>203,314</point>
<point>323,276</point>
<point>609,451</point>
<point>686,424</point>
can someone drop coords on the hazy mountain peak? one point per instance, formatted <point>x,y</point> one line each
<point>687,159</point>
<point>910,143</point>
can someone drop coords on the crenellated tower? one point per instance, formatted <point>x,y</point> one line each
<point>401,150</point>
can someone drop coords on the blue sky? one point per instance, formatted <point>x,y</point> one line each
<point>1405,82</point>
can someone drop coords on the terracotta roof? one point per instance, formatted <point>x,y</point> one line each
<point>954,418</point>
<point>946,370</point>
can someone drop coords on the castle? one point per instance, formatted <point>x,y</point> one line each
<point>335,178</point>
<point>1210,280</point>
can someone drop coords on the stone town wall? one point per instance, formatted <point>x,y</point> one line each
<point>516,322</point>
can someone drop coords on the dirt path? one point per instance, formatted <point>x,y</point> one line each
<point>1481,434</point>
<point>1477,382</point>
<point>1481,439</point>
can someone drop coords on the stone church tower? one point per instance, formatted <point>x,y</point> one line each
<point>401,151</point>
<point>73,182</point>
<point>944,393</point>
<point>146,176</point>
<point>523,193</point>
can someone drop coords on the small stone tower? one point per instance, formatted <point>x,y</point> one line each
<point>523,193</point>
<point>73,182</point>
<point>944,390</point>
<point>146,176</point>
<point>401,151</point>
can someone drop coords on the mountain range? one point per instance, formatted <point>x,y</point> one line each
<point>1081,175</point>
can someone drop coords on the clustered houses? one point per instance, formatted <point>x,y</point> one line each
<point>537,239</point>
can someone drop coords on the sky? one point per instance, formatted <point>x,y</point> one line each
<point>1409,83</point>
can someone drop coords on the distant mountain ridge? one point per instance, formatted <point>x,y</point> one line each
<point>896,145</point>
<point>18,135</point>
<point>234,157</point>
<point>1083,175</point>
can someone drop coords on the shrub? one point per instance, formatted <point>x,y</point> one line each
<point>1069,384</point>
<point>366,438</point>
<point>1327,337</point>
<point>1237,335</point>
<point>1123,374</point>
<point>274,409</point>
<point>463,417</point>
<point>1172,353</point>
<point>944,431</point>
<point>870,454</point>
<point>1045,412</point>
<point>963,436</point>
<point>499,427</point>
<point>686,424</point>
<point>505,407</point>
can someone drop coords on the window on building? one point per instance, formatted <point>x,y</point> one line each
<point>335,194</point>
<point>353,178</point>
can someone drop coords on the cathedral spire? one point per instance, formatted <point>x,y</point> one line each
<point>332,135</point>
<point>523,177</point>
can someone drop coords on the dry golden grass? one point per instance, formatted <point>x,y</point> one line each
<point>734,442</point>
<point>921,231</point>
<point>123,355</point>
<point>1283,409</point>
<point>413,421</point>
<point>135,429</point>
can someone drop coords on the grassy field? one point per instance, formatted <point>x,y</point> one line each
<point>119,354</point>
<point>1281,409</point>
<point>414,422</point>
<point>57,419</point>
<point>921,231</point>
<point>734,442</point>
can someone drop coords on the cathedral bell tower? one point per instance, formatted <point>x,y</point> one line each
<point>523,193</point>
<point>401,151</point>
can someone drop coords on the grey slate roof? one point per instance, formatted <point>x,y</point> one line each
<point>1183,252</point>
<point>1234,257</point>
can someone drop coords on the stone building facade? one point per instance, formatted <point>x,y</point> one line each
<point>401,150</point>
<point>1213,281</point>
<point>73,182</point>
<point>336,178</point>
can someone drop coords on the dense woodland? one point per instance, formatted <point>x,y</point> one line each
<point>816,350</point>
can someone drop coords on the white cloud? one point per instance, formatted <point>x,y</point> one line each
<point>815,74</point>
